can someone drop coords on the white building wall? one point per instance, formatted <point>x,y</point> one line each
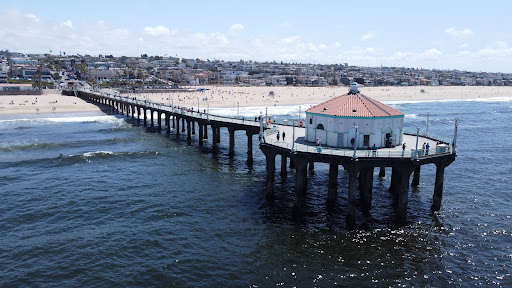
<point>376,128</point>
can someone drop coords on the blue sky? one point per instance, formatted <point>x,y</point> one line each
<point>464,35</point>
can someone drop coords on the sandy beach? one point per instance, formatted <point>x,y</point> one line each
<point>221,96</point>
<point>51,101</point>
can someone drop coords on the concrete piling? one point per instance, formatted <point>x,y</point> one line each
<point>332,190</point>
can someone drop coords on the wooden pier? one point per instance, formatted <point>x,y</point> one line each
<point>360,165</point>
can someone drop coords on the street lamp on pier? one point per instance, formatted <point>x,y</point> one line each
<point>355,143</point>
<point>417,138</point>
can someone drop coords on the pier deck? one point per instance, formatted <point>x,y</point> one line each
<point>359,164</point>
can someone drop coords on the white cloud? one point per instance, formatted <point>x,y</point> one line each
<point>68,23</point>
<point>236,28</point>
<point>459,34</point>
<point>157,30</point>
<point>465,45</point>
<point>501,44</point>
<point>369,36</point>
<point>432,53</point>
<point>291,39</point>
<point>32,17</point>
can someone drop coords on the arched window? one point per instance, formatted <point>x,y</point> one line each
<point>320,127</point>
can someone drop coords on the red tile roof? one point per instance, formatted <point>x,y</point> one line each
<point>354,105</point>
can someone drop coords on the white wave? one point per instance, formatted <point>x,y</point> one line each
<point>73,119</point>
<point>92,154</point>
<point>292,110</point>
<point>480,99</point>
<point>412,116</point>
<point>101,119</point>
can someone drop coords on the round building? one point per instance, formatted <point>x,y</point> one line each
<point>335,122</point>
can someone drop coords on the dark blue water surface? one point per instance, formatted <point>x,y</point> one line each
<point>129,207</point>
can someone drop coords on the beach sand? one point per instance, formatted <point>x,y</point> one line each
<point>229,97</point>
<point>51,101</point>
<point>220,96</point>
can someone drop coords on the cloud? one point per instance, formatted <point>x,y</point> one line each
<point>432,53</point>
<point>157,30</point>
<point>68,23</point>
<point>32,17</point>
<point>236,28</point>
<point>459,34</point>
<point>501,44</point>
<point>369,36</point>
<point>291,39</point>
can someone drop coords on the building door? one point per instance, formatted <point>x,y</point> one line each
<point>366,141</point>
<point>388,144</point>
<point>340,140</point>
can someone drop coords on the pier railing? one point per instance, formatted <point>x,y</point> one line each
<point>169,108</point>
<point>387,153</point>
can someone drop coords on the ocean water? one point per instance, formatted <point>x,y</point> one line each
<point>128,207</point>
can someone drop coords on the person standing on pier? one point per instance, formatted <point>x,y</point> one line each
<point>403,149</point>
<point>283,135</point>
<point>426,148</point>
<point>374,150</point>
<point>277,136</point>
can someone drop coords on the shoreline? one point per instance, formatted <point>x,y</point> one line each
<point>223,97</point>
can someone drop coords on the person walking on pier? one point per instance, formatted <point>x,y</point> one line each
<point>403,149</point>
<point>374,150</point>
<point>277,136</point>
<point>426,148</point>
<point>283,135</point>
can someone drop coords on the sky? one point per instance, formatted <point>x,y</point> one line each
<point>463,35</point>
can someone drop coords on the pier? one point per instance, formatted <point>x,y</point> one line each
<point>302,155</point>
<point>180,119</point>
<point>360,166</point>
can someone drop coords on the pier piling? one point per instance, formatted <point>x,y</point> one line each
<point>332,190</point>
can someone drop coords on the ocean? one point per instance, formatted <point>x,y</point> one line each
<point>127,206</point>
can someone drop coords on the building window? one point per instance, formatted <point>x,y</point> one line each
<point>366,140</point>
<point>310,120</point>
<point>320,127</point>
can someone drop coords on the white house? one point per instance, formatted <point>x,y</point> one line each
<point>336,120</point>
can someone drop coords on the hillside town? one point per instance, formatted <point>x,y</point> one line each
<point>20,72</point>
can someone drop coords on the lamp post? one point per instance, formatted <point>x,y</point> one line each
<point>299,113</point>
<point>238,109</point>
<point>261,127</point>
<point>455,134</point>
<point>293,136</point>
<point>428,117</point>
<point>197,104</point>
<point>266,114</point>
<point>355,143</point>
<point>417,133</point>
<point>207,111</point>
